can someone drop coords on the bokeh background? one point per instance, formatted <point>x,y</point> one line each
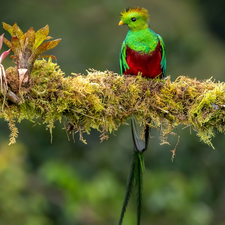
<point>67,183</point>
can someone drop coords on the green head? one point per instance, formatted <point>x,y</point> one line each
<point>136,18</point>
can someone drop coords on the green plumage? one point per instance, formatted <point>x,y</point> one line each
<point>143,42</point>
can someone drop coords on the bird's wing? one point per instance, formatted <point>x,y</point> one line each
<point>123,58</point>
<point>163,61</point>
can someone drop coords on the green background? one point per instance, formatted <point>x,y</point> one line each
<point>67,183</point>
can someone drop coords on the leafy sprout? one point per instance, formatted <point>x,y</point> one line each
<point>27,47</point>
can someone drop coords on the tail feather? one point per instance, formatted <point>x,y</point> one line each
<point>135,176</point>
<point>130,184</point>
<point>140,144</point>
<point>139,170</point>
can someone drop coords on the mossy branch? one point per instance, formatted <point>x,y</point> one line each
<point>100,100</point>
<point>105,100</point>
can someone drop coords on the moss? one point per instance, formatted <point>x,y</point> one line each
<point>105,100</point>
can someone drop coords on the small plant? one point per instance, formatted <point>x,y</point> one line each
<point>27,47</point>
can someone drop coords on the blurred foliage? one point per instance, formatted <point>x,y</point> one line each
<point>20,203</point>
<point>67,183</point>
<point>213,12</point>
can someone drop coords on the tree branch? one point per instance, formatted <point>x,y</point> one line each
<point>105,100</point>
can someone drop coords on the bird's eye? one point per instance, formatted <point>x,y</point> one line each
<point>133,19</point>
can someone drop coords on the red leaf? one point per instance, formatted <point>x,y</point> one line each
<point>47,38</point>
<point>1,41</point>
<point>29,41</point>
<point>48,56</point>
<point>15,45</point>
<point>3,55</point>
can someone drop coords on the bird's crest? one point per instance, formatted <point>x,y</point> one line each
<point>142,11</point>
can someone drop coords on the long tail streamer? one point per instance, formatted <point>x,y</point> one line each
<point>135,175</point>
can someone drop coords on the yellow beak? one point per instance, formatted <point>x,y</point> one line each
<point>120,23</point>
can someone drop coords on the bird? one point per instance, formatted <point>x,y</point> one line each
<point>143,52</point>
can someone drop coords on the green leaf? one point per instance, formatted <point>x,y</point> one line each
<point>40,36</point>
<point>7,42</point>
<point>18,32</point>
<point>46,46</point>
<point>8,28</point>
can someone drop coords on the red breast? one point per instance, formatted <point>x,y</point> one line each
<point>148,64</point>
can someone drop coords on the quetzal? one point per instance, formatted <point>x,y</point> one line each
<point>142,51</point>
